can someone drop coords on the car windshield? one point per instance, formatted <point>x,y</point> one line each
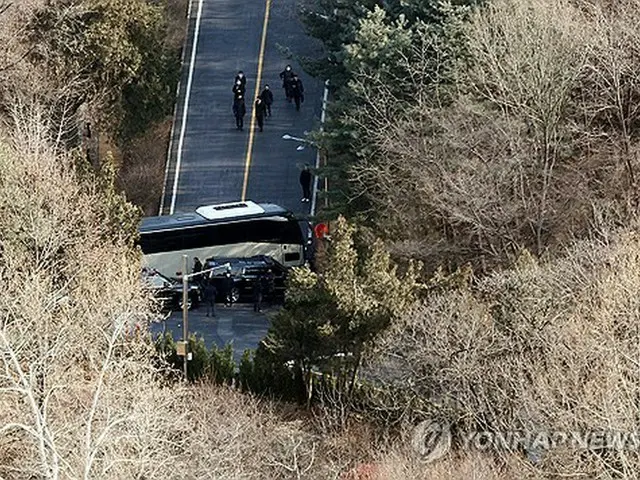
<point>245,266</point>
<point>236,269</point>
<point>255,270</point>
<point>155,280</point>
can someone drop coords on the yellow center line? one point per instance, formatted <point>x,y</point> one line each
<point>252,127</point>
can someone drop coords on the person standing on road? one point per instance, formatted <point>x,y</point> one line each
<point>305,182</point>
<point>197,268</point>
<point>268,285</point>
<point>238,89</point>
<point>228,289</point>
<point>267,97</point>
<point>242,79</point>
<point>239,111</point>
<point>297,91</point>
<point>197,265</point>
<point>209,297</point>
<point>286,75</point>
<point>257,294</point>
<point>259,111</point>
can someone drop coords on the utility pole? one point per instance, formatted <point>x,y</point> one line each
<point>185,312</point>
<point>183,346</point>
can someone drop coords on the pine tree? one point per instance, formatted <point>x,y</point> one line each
<point>331,318</point>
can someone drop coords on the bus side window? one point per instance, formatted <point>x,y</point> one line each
<point>194,238</point>
<point>230,233</point>
<point>261,231</point>
<point>273,231</point>
<point>160,242</point>
<point>254,231</point>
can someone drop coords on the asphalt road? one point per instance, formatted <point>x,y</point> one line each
<point>211,153</point>
<point>237,325</point>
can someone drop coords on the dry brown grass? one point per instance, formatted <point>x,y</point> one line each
<point>142,173</point>
<point>397,466</point>
<point>234,435</point>
<point>177,22</point>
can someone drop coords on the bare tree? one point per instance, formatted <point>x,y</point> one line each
<point>527,151</point>
<point>78,395</point>
<point>526,61</point>
<point>541,348</point>
<point>611,84</point>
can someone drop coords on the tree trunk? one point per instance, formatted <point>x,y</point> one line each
<point>354,373</point>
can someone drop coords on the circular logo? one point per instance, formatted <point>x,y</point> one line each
<point>431,440</point>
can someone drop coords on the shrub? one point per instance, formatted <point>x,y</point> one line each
<point>540,348</point>
<point>222,365</point>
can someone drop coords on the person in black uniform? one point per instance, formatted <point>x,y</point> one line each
<point>268,286</point>
<point>239,111</point>
<point>297,91</point>
<point>259,111</point>
<point>197,268</point>
<point>197,265</point>
<point>209,297</point>
<point>286,75</point>
<point>267,97</point>
<point>238,89</point>
<point>305,182</point>
<point>242,79</point>
<point>227,282</point>
<point>257,294</point>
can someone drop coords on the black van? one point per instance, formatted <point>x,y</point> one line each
<point>244,272</point>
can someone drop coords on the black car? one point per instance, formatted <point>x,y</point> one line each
<point>169,291</point>
<point>244,272</point>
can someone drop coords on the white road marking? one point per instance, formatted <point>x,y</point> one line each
<point>185,111</point>
<point>173,126</point>
<point>325,100</point>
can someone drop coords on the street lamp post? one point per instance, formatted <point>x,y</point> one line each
<point>323,117</point>
<point>286,136</point>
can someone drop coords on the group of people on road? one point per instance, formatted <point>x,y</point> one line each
<point>209,290</point>
<point>293,89</point>
<point>294,92</point>
<point>262,285</point>
<point>239,89</point>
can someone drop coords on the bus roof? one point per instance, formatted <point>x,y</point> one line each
<point>230,210</point>
<point>207,214</point>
